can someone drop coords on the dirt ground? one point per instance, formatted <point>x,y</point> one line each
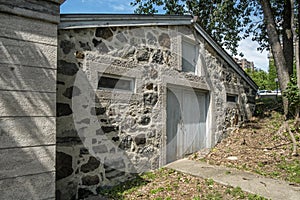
<point>167,184</point>
<point>258,147</point>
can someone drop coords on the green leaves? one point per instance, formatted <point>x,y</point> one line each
<point>292,92</point>
<point>147,6</point>
<point>260,77</point>
<point>227,21</point>
<point>222,19</point>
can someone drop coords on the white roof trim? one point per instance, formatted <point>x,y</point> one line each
<point>72,21</point>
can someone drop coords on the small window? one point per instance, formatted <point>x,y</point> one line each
<point>232,98</point>
<point>115,82</point>
<point>189,55</point>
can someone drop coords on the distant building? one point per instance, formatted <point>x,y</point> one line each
<point>244,63</point>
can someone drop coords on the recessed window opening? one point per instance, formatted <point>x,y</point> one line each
<point>232,98</point>
<point>189,55</point>
<point>115,82</point>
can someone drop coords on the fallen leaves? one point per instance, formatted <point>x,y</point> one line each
<point>257,147</point>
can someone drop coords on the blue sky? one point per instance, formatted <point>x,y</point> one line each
<point>96,6</point>
<point>248,47</point>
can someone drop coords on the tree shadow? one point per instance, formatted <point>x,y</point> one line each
<point>117,192</point>
<point>264,107</point>
<point>91,147</point>
<point>27,114</point>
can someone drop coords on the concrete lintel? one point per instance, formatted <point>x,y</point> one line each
<point>46,11</point>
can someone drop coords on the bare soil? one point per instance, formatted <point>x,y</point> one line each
<point>168,184</point>
<point>258,147</point>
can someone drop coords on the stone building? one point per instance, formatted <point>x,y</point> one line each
<point>135,92</point>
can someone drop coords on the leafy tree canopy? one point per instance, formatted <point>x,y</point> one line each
<point>222,19</point>
<point>227,21</point>
<point>261,78</point>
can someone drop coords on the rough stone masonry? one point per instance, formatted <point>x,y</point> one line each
<point>112,85</point>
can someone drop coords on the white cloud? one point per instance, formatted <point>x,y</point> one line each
<point>118,7</point>
<point>249,49</point>
<point>121,7</point>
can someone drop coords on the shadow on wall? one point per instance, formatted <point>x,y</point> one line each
<point>104,136</point>
<point>27,116</point>
<point>90,148</point>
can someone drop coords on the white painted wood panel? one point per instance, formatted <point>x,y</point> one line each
<point>186,122</point>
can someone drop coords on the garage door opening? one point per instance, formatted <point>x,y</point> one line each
<point>186,122</point>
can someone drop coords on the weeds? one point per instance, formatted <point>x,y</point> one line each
<point>292,168</point>
<point>255,197</point>
<point>154,191</point>
<point>169,184</point>
<point>209,182</point>
<point>214,196</point>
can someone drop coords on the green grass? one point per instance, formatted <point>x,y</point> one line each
<point>157,190</point>
<point>238,193</point>
<point>209,182</point>
<point>196,198</point>
<point>214,196</point>
<point>255,197</point>
<point>149,175</point>
<point>205,189</point>
<point>292,169</point>
<point>117,192</point>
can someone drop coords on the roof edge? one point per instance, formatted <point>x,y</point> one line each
<point>225,56</point>
<point>74,21</point>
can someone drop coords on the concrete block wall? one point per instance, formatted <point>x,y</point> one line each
<point>28,57</point>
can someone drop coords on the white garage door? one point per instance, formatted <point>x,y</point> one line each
<point>186,122</point>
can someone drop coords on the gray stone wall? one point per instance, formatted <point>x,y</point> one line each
<point>104,136</point>
<point>223,81</point>
<point>28,32</point>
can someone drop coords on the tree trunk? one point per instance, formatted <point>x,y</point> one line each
<point>298,49</point>
<point>297,53</point>
<point>278,55</point>
<point>287,35</point>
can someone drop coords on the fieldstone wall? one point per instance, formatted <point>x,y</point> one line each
<point>104,136</point>
<point>28,56</point>
<point>225,81</point>
<point>222,80</point>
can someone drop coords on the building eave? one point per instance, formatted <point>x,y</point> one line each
<point>73,21</point>
<point>225,56</point>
